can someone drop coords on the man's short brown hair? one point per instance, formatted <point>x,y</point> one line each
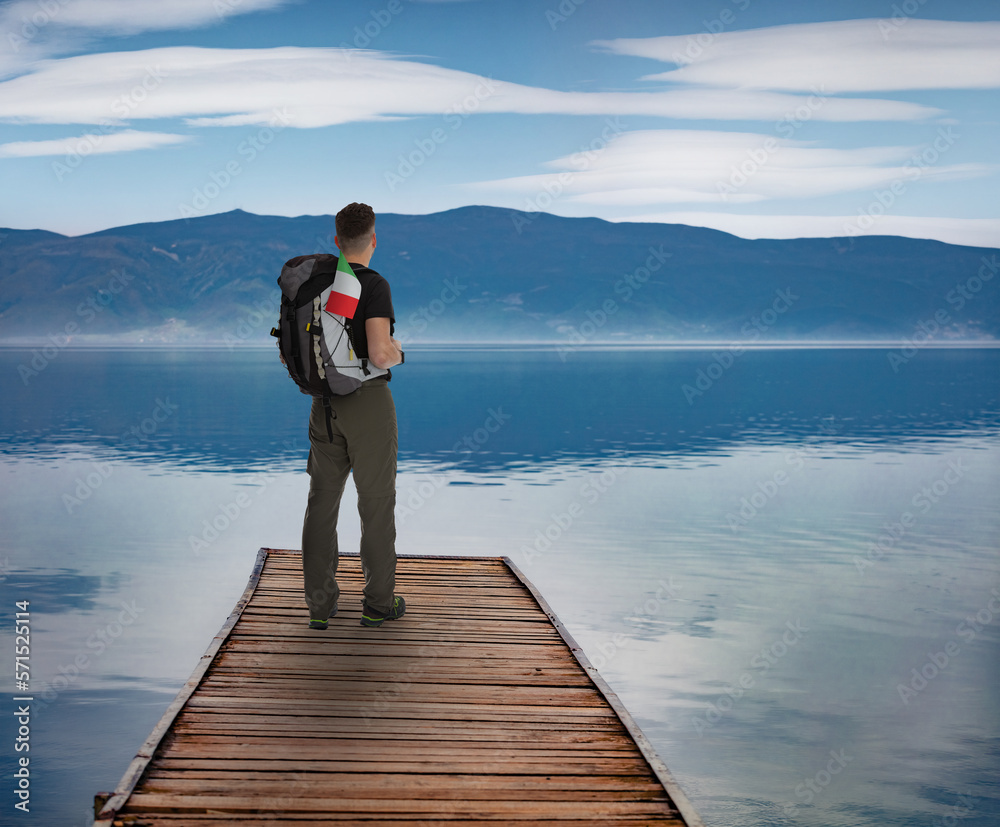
<point>355,224</point>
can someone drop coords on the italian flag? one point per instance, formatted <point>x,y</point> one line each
<point>345,291</point>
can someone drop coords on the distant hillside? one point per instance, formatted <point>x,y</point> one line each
<point>482,274</point>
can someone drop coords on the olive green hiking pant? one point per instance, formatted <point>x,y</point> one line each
<point>365,441</point>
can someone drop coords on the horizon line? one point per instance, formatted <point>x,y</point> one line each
<point>560,347</point>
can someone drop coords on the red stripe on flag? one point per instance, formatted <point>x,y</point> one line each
<point>344,292</point>
<point>342,305</point>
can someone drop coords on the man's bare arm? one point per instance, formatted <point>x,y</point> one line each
<point>383,350</point>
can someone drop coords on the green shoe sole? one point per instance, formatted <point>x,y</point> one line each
<point>397,611</point>
<point>321,624</point>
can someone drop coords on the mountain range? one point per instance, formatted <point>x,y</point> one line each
<point>485,275</point>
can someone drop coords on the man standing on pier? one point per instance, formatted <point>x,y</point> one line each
<point>358,433</point>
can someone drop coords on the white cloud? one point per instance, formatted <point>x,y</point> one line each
<point>129,16</point>
<point>696,166</point>
<point>971,232</point>
<point>838,56</point>
<point>91,144</point>
<point>37,29</point>
<point>323,87</point>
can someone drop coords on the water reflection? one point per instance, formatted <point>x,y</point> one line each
<point>673,602</point>
<point>496,412</point>
<point>61,590</point>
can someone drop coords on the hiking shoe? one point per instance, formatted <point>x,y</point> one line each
<point>369,617</point>
<point>320,624</point>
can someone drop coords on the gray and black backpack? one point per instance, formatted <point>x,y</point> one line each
<point>317,346</point>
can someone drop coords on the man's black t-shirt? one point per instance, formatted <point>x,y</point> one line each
<point>375,302</point>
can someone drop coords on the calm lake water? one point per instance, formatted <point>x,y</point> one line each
<point>788,571</point>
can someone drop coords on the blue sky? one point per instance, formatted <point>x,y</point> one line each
<point>761,118</point>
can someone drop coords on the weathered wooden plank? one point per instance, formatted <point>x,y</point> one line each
<point>631,766</point>
<point>397,726</point>
<point>380,708</point>
<point>282,747</point>
<point>308,689</point>
<point>269,819</point>
<point>359,789</point>
<point>491,624</point>
<point>158,802</point>
<point>410,665</point>
<point>475,708</point>
<point>411,784</point>
<point>488,677</point>
<point>391,647</point>
<point>320,729</point>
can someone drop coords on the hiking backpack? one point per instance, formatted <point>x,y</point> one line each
<point>318,298</point>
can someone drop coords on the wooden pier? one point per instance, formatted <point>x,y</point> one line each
<point>477,706</point>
